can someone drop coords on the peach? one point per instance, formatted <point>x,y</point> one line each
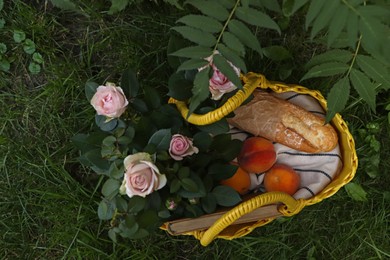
<point>283,178</point>
<point>257,155</point>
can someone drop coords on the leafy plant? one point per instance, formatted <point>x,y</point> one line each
<point>146,130</point>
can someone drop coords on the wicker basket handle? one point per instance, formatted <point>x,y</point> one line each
<point>251,82</point>
<point>289,207</point>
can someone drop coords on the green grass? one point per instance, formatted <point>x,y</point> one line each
<point>49,202</point>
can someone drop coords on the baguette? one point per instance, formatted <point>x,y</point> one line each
<point>283,122</point>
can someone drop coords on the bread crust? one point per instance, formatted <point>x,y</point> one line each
<point>283,122</point>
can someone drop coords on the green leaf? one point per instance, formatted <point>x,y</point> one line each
<point>277,53</point>
<point>200,90</point>
<point>227,3</point>
<point>337,24</point>
<point>226,196</point>
<point>106,210</point>
<point>3,48</point>
<point>374,69</point>
<point>152,97</point>
<point>184,172</point>
<point>352,29</point>
<point>210,8</point>
<point>110,188</point>
<point>196,35</point>
<point>161,139</point>
<point>322,20</point>
<point>175,43</point>
<point>112,235</point>
<point>233,43</point>
<point>227,70</point>
<point>139,105</point>
<point>220,171</point>
<point>4,65</point>
<point>271,5</point>
<point>337,98</point>
<point>219,127</point>
<point>356,191</point>
<point>104,125</point>
<point>174,186</point>
<point>202,140</point>
<point>109,140</point>
<point>129,83</point>
<point>64,4</point>
<point>192,64</point>
<point>37,57</point>
<point>337,55</point>
<point>289,7</point>
<point>326,69</point>
<point>202,22</point>
<point>90,89</point>
<point>117,6</point>
<point>256,18</point>
<point>364,87</point>
<point>244,34</point>
<point>19,36</point>
<point>313,11</point>
<point>95,159</point>
<point>115,171</point>
<point>197,52</point>
<point>232,56</point>
<point>209,203</point>
<point>371,29</point>
<point>29,46</point>
<point>189,185</point>
<point>179,87</point>
<point>34,68</point>
<point>1,4</point>
<point>136,204</point>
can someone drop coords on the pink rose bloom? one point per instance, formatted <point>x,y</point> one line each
<point>142,177</point>
<point>181,146</point>
<point>109,101</point>
<point>220,84</point>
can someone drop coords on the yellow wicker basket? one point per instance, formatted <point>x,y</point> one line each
<point>225,226</point>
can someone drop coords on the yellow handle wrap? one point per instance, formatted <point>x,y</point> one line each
<point>291,207</point>
<point>251,82</point>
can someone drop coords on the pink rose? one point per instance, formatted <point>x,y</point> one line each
<point>109,101</point>
<point>220,84</point>
<point>142,177</point>
<point>181,146</point>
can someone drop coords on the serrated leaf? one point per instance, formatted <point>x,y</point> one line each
<point>210,8</point>
<point>233,43</point>
<point>197,36</point>
<point>110,188</point>
<point>375,70</point>
<point>336,55</point>
<point>291,6</point>
<point>232,56</point>
<point>325,70</point>
<point>196,52</point>
<point>337,24</point>
<point>337,98</point>
<point>356,191</point>
<point>200,89</point>
<point>226,196</point>
<point>377,11</point>
<point>192,64</point>
<point>313,11</point>
<point>227,70</point>
<point>277,53</point>
<point>364,87</point>
<point>117,6</point>
<point>64,4</point>
<point>352,29</point>
<point>256,18</point>
<point>324,17</point>
<point>242,32</point>
<point>202,22</point>
<point>371,29</point>
<point>271,5</point>
<point>161,139</point>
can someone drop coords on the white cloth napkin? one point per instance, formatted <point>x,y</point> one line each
<point>315,169</point>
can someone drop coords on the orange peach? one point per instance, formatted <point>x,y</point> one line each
<point>257,155</point>
<point>283,178</point>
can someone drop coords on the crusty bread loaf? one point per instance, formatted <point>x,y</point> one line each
<point>283,122</point>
